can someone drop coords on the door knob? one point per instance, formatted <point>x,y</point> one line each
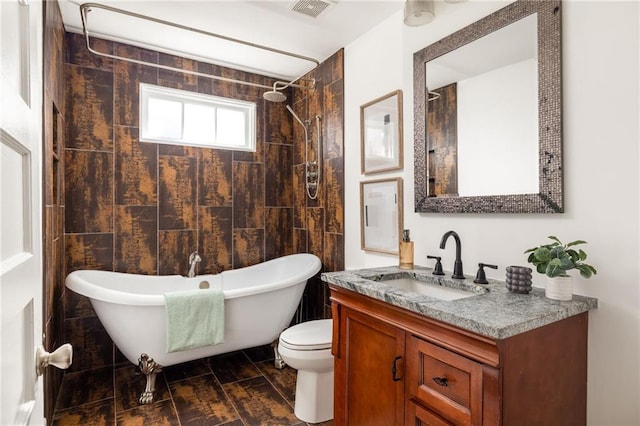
<point>60,358</point>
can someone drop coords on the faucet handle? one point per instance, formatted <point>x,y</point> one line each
<point>437,269</point>
<point>194,257</point>
<point>481,278</point>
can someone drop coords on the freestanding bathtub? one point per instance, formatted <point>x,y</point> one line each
<point>260,301</point>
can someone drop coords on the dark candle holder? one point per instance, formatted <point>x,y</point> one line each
<point>518,279</point>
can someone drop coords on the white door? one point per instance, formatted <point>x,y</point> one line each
<point>20,211</point>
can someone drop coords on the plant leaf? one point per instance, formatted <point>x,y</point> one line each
<point>554,238</point>
<point>567,263</point>
<point>555,262</point>
<point>543,254</point>
<point>582,254</point>
<point>584,271</point>
<point>558,252</point>
<point>553,269</point>
<point>576,242</point>
<point>575,257</point>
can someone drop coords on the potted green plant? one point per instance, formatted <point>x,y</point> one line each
<point>554,260</point>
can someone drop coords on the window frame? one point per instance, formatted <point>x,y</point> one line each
<point>150,91</point>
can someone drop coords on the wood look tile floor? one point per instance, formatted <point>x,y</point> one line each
<point>237,389</point>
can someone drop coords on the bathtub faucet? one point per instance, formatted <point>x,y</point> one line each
<point>194,259</point>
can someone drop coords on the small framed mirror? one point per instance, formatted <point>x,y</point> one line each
<point>381,133</point>
<point>381,217</point>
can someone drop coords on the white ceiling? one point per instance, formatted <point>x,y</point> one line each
<point>510,45</point>
<point>269,23</point>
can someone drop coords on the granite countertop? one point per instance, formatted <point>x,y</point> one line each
<point>494,311</point>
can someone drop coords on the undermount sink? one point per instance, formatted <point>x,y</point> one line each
<point>421,282</point>
<point>432,290</point>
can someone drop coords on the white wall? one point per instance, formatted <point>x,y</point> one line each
<point>498,131</point>
<point>602,189</point>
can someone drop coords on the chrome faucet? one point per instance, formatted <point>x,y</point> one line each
<point>194,259</point>
<point>457,266</point>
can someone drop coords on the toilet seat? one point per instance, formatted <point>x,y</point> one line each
<point>308,336</point>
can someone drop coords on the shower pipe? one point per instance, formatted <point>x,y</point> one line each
<point>309,176</point>
<point>278,85</point>
<point>318,158</point>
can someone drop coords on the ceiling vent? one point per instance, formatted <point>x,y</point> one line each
<point>311,8</point>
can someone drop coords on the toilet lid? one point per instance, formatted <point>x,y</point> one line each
<point>308,336</point>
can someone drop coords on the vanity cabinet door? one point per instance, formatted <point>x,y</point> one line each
<point>370,370</point>
<point>445,382</point>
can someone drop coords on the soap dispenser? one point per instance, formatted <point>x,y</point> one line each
<point>406,251</point>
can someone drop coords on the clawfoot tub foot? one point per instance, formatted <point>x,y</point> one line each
<point>150,369</point>
<point>278,362</point>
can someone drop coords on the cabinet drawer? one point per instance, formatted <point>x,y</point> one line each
<point>418,416</point>
<point>445,382</point>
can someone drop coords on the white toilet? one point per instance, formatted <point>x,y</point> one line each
<point>307,348</point>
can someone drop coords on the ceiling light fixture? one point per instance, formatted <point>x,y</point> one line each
<point>418,12</point>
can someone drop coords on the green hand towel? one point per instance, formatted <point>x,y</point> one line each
<point>194,318</point>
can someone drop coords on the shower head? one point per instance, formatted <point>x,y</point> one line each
<point>296,117</point>
<point>274,95</point>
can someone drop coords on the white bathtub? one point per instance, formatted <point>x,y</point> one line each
<point>260,301</point>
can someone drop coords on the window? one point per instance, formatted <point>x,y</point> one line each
<point>179,117</point>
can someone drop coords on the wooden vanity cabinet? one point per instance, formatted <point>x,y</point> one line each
<point>396,367</point>
<point>370,392</point>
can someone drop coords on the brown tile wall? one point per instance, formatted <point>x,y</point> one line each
<point>53,222</point>
<point>319,224</point>
<point>142,208</point>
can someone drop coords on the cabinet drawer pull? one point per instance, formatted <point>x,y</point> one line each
<point>394,369</point>
<point>441,381</point>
